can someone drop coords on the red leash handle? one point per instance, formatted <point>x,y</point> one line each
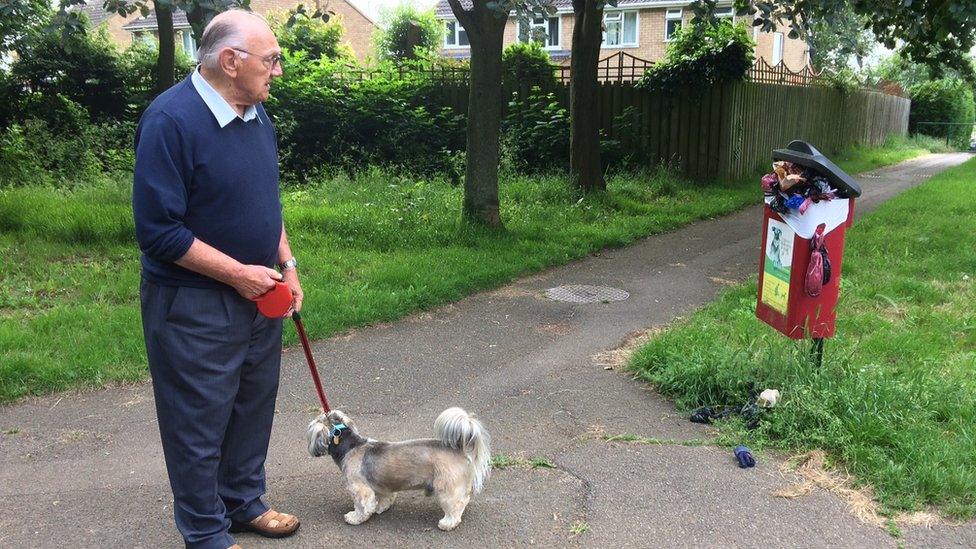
<point>311,361</point>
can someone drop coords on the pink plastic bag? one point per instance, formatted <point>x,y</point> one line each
<point>817,270</point>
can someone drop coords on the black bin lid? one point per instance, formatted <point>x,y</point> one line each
<point>806,155</point>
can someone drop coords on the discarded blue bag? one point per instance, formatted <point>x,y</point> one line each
<point>744,456</point>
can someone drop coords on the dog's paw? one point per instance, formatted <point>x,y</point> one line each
<point>354,518</point>
<point>447,525</point>
<point>384,504</point>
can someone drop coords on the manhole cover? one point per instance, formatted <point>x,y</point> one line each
<point>581,293</point>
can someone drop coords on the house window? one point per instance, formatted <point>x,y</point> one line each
<point>620,28</point>
<point>777,48</point>
<point>456,35</point>
<point>540,25</point>
<point>146,37</point>
<point>725,13</point>
<point>672,22</point>
<point>189,44</point>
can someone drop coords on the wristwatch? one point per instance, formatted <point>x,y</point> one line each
<point>290,264</point>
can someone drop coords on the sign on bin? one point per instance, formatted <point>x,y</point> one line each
<point>776,266</point>
<point>809,205</point>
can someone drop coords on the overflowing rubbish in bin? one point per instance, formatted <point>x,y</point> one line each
<point>809,205</point>
<point>793,187</point>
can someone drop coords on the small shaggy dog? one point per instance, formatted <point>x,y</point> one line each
<point>451,466</point>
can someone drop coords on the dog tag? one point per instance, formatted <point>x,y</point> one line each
<point>335,440</point>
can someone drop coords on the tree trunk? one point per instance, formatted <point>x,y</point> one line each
<point>585,168</point>
<point>165,63</point>
<point>485,29</point>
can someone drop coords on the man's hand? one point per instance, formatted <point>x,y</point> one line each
<point>290,277</point>
<point>255,280</point>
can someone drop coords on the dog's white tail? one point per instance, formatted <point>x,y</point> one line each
<point>455,428</point>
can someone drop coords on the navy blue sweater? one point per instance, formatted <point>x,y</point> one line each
<point>196,179</point>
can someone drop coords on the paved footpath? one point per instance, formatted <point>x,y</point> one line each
<point>86,469</point>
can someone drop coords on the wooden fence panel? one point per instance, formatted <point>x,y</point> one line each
<point>728,132</point>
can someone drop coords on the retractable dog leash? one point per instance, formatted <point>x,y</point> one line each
<point>275,304</point>
<point>311,360</point>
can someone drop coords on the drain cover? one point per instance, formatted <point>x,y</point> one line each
<point>581,293</point>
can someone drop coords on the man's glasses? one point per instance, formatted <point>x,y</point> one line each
<point>270,61</point>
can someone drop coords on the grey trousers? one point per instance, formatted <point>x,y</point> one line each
<point>214,362</point>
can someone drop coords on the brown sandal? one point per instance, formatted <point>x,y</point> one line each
<point>271,524</point>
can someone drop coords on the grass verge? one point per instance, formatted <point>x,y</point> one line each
<point>895,401</point>
<point>373,248</point>
<point>896,149</point>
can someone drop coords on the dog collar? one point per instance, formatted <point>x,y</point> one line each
<point>336,432</point>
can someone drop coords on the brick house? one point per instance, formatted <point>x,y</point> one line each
<point>359,26</point>
<point>111,22</point>
<point>640,28</point>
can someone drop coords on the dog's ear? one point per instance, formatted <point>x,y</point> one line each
<point>337,416</point>
<point>318,444</point>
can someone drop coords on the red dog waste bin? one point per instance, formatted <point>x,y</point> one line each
<point>787,300</point>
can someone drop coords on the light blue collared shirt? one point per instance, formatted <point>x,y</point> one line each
<point>219,106</point>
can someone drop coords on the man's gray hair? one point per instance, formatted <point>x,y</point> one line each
<point>221,33</point>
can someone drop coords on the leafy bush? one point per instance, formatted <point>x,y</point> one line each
<point>36,152</point>
<point>898,68</point>
<point>18,162</point>
<point>323,119</point>
<point>843,79</point>
<point>313,36</point>
<point>138,67</point>
<point>701,56</point>
<point>83,68</point>
<point>536,132</point>
<point>945,100</point>
<point>395,39</point>
<point>528,62</point>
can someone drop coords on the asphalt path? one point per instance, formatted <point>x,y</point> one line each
<point>85,469</point>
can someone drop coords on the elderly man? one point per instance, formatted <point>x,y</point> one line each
<point>209,223</point>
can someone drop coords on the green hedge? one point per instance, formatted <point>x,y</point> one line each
<point>388,120</point>
<point>528,62</point>
<point>700,56</point>
<point>315,37</point>
<point>393,40</point>
<point>946,100</point>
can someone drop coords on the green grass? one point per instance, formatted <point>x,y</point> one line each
<point>373,249</point>
<point>896,149</point>
<point>579,528</point>
<point>895,400</point>
<point>502,461</point>
<point>637,439</point>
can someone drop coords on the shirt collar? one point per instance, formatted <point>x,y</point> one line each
<point>219,106</point>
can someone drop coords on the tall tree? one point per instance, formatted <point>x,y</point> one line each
<point>167,48</point>
<point>837,38</point>
<point>484,23</point>
<point>18,18</point>
<point>938,33</point>
<point>585,167</point>
<point>485,28</point>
